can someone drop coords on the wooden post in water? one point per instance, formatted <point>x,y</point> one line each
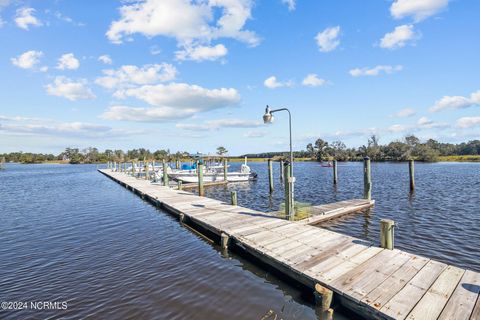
<point>177,164</point>
<point>323,301</point>
<point>367,179</point>
<point>411,170</point>
<point>179,184</point>
<point>387,233</point>
<point>270,175</point>
<point>335,172</point>
<point>288,198</point>
<point>201,190</point>
<point>165,175</point>
<point>233,196</point>
<point>281,169</point>
<point>224,240</point>
<point>225,169</point>
<point>146,169</point>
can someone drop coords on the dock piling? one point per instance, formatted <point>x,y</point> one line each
<point>288,195</point>
<point>323,299</point>
<point>224,239</point>
<point>367,179</point>
<point>411,170</point>
<point>225,170</point>
<point>270,175</point>
<point>201,190</point>
<point>164,174</point>
<point>233,197</point>
<point>179,185</point>
<point>146,170</point>
<point>281,170</point>
<point>335,172</point>
<point>387,236</point>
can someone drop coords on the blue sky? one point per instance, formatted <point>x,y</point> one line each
<point>194,75</point>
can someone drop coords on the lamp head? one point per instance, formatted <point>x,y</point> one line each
<point>267,117</point>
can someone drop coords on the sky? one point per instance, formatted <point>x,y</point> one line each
<point>192,75</point>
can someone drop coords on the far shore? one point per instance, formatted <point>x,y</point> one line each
<point>466,158</point>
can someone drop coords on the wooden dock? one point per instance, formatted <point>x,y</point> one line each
<point>374,282</point>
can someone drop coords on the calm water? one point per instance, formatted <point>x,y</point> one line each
<point>68,233</point>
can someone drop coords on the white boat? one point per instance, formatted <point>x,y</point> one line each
<point>213,174</point>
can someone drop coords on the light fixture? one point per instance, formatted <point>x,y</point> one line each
<point>267,117</point>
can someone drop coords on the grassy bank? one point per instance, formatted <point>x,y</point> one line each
<point>475,158</point>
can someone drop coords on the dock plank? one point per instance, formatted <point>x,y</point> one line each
<point>463,299</point>
<point>434,300</point>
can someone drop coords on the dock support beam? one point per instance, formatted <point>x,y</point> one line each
<point>224,239</point>
<point>367,179</point>
<point>201,190</point>
<point>165,175</point>
<point>270,175</point>
<point>335,176</point>
<point>323,301</point>
<point>411,170</point>
<point>387,233</point>
<point>225,170</point>
<point>233,196</point>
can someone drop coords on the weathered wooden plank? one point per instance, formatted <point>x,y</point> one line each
<point>370,275</point>
<point>434,300</point>
<point>388,288</point>
<point>462,301</point>
<point>403,302</point>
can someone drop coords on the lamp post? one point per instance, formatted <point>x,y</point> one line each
<point>268,118</point>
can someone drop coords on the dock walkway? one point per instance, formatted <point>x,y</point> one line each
<point>374,282</point>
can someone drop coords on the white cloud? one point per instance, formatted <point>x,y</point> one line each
<point>468,122</point>
<point>327,40</point>
<point>398,128</point>
<point>187,21</point>
<point>62,17</point>
<point>418,9</point>
<point>290,3</point>
<point>399,37</point>
<point>171,101</point>
<point>68,61</point>
<point>129,75</point>
<point>404,113</point>
<point>273,83</point>
<point>425,123</point>
<point>24,18</point>
<point>200,53</point>
<point>220,123</point>
<point>105,58</point>
<point>70,89</point>
<point>255,134</point>
<point>376,71</point>
<point>36,126</point>
<point>27,60</point>
<point>312,80</point>
<point>456,102</point>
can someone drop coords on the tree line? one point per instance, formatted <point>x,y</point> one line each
<point>93,155</point>
<point>410,147</point>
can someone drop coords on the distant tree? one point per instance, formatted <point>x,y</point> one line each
<point>221,151</point>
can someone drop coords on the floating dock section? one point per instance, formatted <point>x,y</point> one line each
<point>374,282</point>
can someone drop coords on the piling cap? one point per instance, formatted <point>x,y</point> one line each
<point>366,158</point>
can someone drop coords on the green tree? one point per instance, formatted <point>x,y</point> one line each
<point>221,151</point>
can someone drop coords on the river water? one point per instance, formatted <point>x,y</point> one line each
<point>69,234</point>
